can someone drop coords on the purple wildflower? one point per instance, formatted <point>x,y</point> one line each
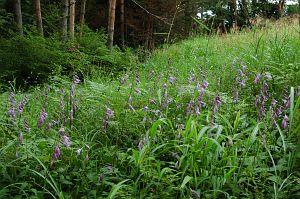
<point>268,76</point>
<point>124,79</point>
<point>236,96</point>
<point>61,131</point>
<point>87,157</point>
<point>257,78</point>
<point>145,109</point>
<point>217,102</point>
<point>241,73</point>
<point>56,153</point>
<point>21,106</point>
<point>21,137</point>
<point>66,141</point>
<point>192,79</point>
<point>172,79</point>
<point>198,87</point>
<point>274,102</point>
<point>42,118</point>
<point>244,66</point>
<point>287,102</point>
<point>130,100</point>
<point>138,91</point>
<point>12,103</point>
<point>285,122</point>
<point>205,84</point>
<point>110,168</point>
<point>109,113</point>
<point>243,84</point>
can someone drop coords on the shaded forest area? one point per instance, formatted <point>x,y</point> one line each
<point>140,23</point>
<point>78,36</point>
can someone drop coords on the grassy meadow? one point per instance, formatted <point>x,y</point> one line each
<point>208,117</point>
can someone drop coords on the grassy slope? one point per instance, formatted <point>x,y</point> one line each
<point>180,156</point>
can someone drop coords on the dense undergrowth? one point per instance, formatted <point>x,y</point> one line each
<point>32,60</point>
<point>215,117</point>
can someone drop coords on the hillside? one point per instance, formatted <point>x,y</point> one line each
<point>208,117</point>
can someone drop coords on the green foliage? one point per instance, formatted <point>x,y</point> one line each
<point>141,135</point>
<point>33,60</point>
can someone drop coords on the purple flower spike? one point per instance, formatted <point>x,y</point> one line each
<point>12,103</point>
<point>205,84</point>
<point>257,78</point>
<point>145,109</point>
<point>56,153</point>
<point>87,157</point>
<point>172,79</point>
<point>268,76</point>
<point>42,118</point>
<point>243,84</point>
<point>109,113</point>
<point>21,137</point>
<point>61,131</point>
<point>66,141</point>
<point>218,100</point>
<point>110,168</point>
<point>130,100</point>
<point>285,122</point>
<point>138,91</point>
<point>20,107</point>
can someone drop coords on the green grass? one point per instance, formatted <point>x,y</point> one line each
<point>170,149</point>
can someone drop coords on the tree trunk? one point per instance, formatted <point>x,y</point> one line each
<point>253,8</point>
<point>245,12</point>
<point>18,14</point>
<point>38,16</point>
<point>82,15</point>
<point>64,18</point>
<point>234,15</point>
<point>111,23</point>
<point>281,7</point>
<point>72,19</point>
<point>122,9</point>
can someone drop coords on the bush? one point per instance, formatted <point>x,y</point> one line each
<point>31,60</point>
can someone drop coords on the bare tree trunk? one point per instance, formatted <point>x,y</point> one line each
<point>122,9</point>
<point>111,23</point>
<point>234,15</point>
<point>18,13</point>
<point>281,7</point>
<point>72,19</point>
<point>245,12</point>
<point>38,16</point>
<point>253,8</point>
<point>82,15</point>
<point>64,18</point>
